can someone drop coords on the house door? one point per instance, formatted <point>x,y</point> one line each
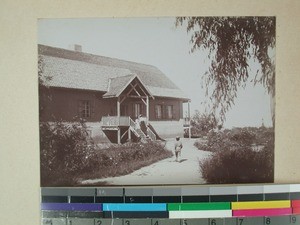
<point>137,110</point>
<point>124,110</point>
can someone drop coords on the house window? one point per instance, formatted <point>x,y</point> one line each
<point>158,111</point>
<point>164,112</point>
<point>84,109</point>
<point>169,112</point>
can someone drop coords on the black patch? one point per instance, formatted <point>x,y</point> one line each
<point>223,198</point>
<point>82,199</point>
<point>277,196</point>
<point>138,199</point>
<point>166,199</point>
<point>54,199</point>
<point>204,198</point>
<point>114,199</point>
<point>295,195</point>
<point>250,197</point>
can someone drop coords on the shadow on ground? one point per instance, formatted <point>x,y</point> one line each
<point>182,160</point>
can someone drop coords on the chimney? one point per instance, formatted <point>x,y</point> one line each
<point>76,48</point>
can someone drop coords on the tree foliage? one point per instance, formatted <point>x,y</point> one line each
<point>235,159</point>
<point>44,93</point>
<point>65,149</point>
<point>231,43</point>
<point>202,124</point>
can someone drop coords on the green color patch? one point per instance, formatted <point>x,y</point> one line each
<point>199,206</point>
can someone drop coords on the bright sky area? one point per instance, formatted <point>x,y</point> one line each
<point>157,42</point>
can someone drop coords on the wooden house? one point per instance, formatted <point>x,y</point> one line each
<point>109,94</point>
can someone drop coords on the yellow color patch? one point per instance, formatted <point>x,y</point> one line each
<point>261,204</point>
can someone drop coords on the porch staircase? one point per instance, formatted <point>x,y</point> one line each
<point>127,129</point>
<point>140,134</point>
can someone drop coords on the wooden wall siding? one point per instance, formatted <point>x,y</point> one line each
<point>177,108</point>
<point>63,104</point>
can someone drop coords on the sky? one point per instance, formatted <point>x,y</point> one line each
<point>157,42</point>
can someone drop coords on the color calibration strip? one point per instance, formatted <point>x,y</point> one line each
<point>239,205</point>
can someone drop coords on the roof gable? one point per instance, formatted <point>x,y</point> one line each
<point>117,85</point>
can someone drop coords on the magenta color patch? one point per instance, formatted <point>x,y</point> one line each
<point>262,212</point>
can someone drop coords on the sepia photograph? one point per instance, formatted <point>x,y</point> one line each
<point>156,101</point>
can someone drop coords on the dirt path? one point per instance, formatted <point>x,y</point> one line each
<point>166,171</point>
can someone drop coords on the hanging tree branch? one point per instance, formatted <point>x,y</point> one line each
<point>231,43</point>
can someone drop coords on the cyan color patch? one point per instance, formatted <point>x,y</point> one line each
<point>135,207</point>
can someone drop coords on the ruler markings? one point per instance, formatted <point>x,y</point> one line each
<point>80,221</point>
<point>157,221</point>
<point>278,220</point>
<point>108,221</point>
<point>54,221</point>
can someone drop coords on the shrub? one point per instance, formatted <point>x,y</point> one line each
<point>234,160</point>
<point>69,155</point>
<point>217,141</point>
<point>239,166</point>
<point>202,123</point>
<point>119,160</point>
<point>65,150</point>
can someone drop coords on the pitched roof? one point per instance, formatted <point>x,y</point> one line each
<point>78,70</point>
<point>118,84</point>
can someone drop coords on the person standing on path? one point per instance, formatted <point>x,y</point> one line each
<point>178,146</point>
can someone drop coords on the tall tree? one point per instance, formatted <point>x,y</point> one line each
<point>231,42</point>
<point>43,80</point>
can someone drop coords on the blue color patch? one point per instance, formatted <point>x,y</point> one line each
<point>72,206</point>
<point>135,207</point>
